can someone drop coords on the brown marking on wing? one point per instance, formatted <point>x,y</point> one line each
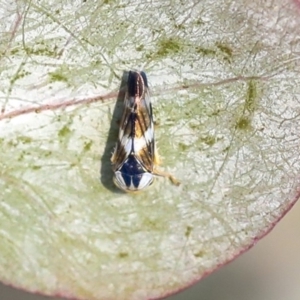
<point>142,122</point>
<point>126,122</point>
<point>119,156</point>
<point>145,156</point>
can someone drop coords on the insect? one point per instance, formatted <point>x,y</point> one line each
<point>135,158</point>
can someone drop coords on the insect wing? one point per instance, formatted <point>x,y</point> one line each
<point>133,156</point>
<point>144,144</point>
<point>143,131</point>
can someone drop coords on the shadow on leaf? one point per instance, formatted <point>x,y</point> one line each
<point>106,172</point>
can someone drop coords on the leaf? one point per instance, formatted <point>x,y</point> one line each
<point>225,87</point>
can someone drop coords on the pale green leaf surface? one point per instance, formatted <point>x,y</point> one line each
<point>225,87</point>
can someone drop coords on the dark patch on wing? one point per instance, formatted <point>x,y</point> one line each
<point>146,156</point>
<point>135,84</point>
<point>142,123</point>
<point>144,78</point>
<point>132,171</point>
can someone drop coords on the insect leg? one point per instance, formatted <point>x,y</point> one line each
<point>166,174</point>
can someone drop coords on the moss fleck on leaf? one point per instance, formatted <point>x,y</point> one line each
<point>87,146</point>
<point>35,167</point>
<point>209,140</point>
<point>225,49</point>
<point>168,46</point>
<point>200,253</point>
<point>123,254</point>
<point>251,97</point>
<point>57,76</point>
<point>139,48</point>
<point>243,123</point>
<point>41,50</point>
<point>18,76</point>
<point>188,231</point>
<point>182,146</point>
<point>25,139</point>
<point>205,51</point>
<point>47,153</point>
<point>64,131</point>
<point>199,21</point>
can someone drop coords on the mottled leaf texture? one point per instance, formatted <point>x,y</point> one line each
<point>225,84</point>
